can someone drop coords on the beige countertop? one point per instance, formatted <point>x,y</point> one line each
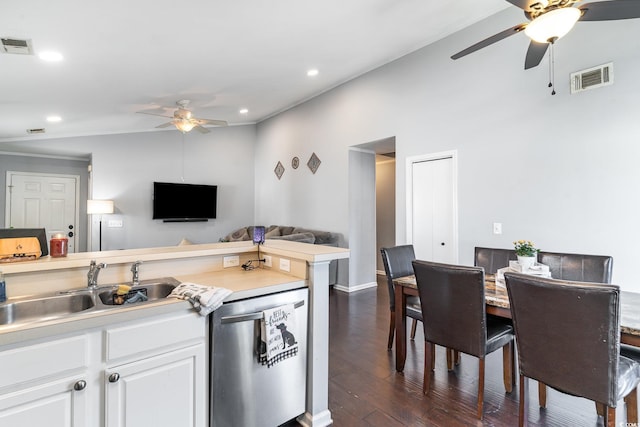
<point>244,284</point>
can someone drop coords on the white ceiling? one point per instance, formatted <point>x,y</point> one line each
<point>124,56</point>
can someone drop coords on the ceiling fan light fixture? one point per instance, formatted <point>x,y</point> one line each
<point>184,125</point>
<point>552,25</point>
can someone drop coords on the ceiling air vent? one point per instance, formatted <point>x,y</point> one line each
<point>17,46</point>
<point>591,78</point>
<point>35,130</point>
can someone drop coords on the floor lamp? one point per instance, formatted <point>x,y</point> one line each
<point>100,207</point>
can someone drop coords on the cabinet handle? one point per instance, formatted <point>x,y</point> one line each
<point>80,385</point>
<point>113,378</point>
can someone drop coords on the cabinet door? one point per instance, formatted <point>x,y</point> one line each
<point>165,390</point>
<point>59,403</point>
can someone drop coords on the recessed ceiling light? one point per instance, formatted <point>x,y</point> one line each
<point>50,56</point>
<point>313,72</point>
<point>54,119</point>
<point>244,111</point>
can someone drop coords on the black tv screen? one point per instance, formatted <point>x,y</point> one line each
<point>184,202</point>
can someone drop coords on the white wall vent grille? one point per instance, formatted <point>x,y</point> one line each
<point>17,46</point>
<point>591,78</point>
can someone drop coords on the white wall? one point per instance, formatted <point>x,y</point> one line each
<point>125,166</point>
<point>559,170</point>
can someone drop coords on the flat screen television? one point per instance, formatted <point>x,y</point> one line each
<point>174,202</point>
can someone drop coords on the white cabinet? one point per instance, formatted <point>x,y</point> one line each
<point>45,383</point>
<point>146,372</point>
<point>156,374</point>
<point>157,391</point>
<point>52,404</point>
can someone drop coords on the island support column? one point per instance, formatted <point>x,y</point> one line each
<point>317,413</point>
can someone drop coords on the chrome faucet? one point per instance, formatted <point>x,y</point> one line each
<point>135,270</point>
<point>92,275</point>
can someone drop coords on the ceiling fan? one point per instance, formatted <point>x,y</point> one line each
<point>552,19</point>
<point>184,121</point>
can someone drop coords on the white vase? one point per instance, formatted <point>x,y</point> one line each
<point>526,262</point>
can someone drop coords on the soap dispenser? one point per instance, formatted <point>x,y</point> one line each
<point>3,288</point>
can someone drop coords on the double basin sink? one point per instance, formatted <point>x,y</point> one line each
<point>78,301</point>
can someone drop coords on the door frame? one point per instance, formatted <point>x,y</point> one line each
<point>7,192</point>
<point>453,155</point>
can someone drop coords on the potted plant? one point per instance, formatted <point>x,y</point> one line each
<point>526,252</point>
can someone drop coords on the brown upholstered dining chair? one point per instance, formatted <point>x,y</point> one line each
<point>568,337</point>
<point>493,259</point>
<point>397,263</point>
<point>454,312</point>
<point>578,268</point>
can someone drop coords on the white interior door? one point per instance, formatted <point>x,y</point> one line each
<point>43,201</point>
<point>432,211</point>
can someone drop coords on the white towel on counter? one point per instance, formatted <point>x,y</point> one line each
<point>204,299</point>
<point>278,329</point>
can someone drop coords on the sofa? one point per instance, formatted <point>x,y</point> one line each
<point>296,234</point>
<point>281,232</point>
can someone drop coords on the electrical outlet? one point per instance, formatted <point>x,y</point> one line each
<point>230,261</point>
<point>267,261</point>
<point>497,228</point>
<point>285,264</point>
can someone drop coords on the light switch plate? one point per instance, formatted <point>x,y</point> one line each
<point>114,223</point>
<point>497,228</point>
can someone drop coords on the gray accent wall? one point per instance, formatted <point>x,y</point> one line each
<point>50,165</point>
<point>385,207</point>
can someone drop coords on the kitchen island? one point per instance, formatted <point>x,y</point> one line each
<point>293,265</point>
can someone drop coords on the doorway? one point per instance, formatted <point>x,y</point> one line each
<point>49,201</point>
<point>432,211</point>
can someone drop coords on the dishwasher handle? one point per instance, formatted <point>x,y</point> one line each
<point>251,316</point>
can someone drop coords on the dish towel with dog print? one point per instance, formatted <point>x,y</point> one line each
<point>278,331</point>
<point>204,299</point>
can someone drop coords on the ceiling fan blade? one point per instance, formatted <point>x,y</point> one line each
<point>524,4</point>
<point>212,122</point>
<point>535,53</point>
<point>153,114</point>
<point>165,125</point>
<point>491,40</point>
<point>201,129</point>
<point>610,10</point>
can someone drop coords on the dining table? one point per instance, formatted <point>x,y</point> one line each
<point>497,304</point>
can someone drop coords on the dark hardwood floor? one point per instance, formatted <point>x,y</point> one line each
<point>365,389</point>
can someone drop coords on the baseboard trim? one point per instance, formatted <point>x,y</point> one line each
<point>349,289</point>
<point>321,419</point>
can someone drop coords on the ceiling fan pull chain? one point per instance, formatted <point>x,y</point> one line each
<point>552,69</point>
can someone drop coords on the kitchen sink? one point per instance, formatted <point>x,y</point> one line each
<point>153,289</point>
<point>78,302</point>
<point>44,308</point>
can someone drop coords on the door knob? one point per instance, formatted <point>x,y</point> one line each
<point>113,378</point>
<point>442,244</point>
<point>70,234</point>
<point>70,226</point>
<point>80,385</point>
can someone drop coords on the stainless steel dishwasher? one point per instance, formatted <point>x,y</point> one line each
<point>244,392</point>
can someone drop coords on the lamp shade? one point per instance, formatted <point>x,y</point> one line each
<point>552,25</point>
<point>100,207</point>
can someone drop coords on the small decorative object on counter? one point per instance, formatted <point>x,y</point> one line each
<point>526,252</point>
<point>59,246</point>
<point>3,288</point>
